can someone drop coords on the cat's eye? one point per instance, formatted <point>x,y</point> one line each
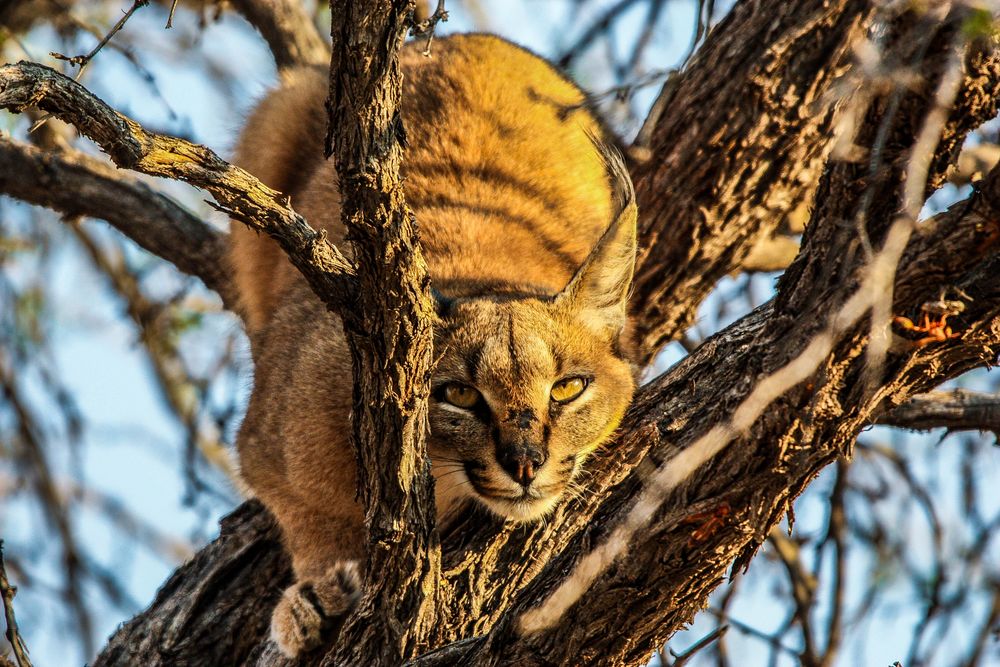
<point>461,395</point>
<point>568,389</point>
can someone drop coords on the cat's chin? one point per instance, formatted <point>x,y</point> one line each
<point>523,510</point>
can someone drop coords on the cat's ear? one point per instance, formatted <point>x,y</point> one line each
<point>599,291</point>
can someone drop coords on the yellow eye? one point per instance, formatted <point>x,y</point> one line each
<point>461,395</point>
<point>567,390</point>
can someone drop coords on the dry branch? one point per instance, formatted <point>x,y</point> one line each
<point>288,30</point>
<point>11,633</point>
<point>76,184</point>
<point>219,616</point>
<point>761,86</point>
<point>956,410</point>
<point>243,197</point>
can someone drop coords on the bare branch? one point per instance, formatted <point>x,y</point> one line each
<point>956,410</point>
<point>240,195</point>
<point>708,196</point>
<point>288,30</point>
<point>426,26</point>
<point>240,577</point>
<point>76,184</point>
<point>7,597</point>
<point>83,60</point>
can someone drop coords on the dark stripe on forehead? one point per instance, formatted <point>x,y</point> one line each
<point>515,362</point>
<point>472,362</point>
<point>557,362</point>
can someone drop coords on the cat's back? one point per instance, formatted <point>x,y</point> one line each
<point>500,170</point>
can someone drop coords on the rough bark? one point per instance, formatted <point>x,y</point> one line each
<point>668,573</point>
<point>205,620</point>
<point>956,410</point>
<point>711,188</point>
<point>389,335</point>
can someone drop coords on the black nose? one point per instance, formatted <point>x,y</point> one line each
<point>522,463</point>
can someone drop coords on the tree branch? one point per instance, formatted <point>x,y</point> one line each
<point>220,615</point>
<point>239,194</point>
<point>710,195</point>
<point>955,410</point>
<point>7,600</point>
<point>288,30</point>
<point>389,335</point>
<point>76,184</point>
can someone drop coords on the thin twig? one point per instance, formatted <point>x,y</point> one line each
<point>170,15</point>
<point>83,61</point>
<point>7,592</point>
<point>428,25</point>
<point>681,659</point>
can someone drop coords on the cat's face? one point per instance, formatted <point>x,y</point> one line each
<point>522,394</point>
<point>526,388</point>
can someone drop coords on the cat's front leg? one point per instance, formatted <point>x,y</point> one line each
<point>326,544</point>
<point>311,610</point>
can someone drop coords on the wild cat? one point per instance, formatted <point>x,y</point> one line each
<point>528,227</point>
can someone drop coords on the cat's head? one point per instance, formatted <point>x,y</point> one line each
<point>527,386</point>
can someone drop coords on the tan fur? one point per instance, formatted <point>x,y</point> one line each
<point>514,202</point>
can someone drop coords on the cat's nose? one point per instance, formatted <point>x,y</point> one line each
<point>522,463</point>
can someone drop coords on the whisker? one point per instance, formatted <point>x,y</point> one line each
<point>455,486</point>
<point>447,459</point>
<point>450,472</point>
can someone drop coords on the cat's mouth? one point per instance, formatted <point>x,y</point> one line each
<point>519,504</point>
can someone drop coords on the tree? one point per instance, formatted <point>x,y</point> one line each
<point>777,106</point>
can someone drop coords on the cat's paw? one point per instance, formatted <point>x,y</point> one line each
<point>309,609</point>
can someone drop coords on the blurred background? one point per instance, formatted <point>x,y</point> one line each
<point>122,382</point>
